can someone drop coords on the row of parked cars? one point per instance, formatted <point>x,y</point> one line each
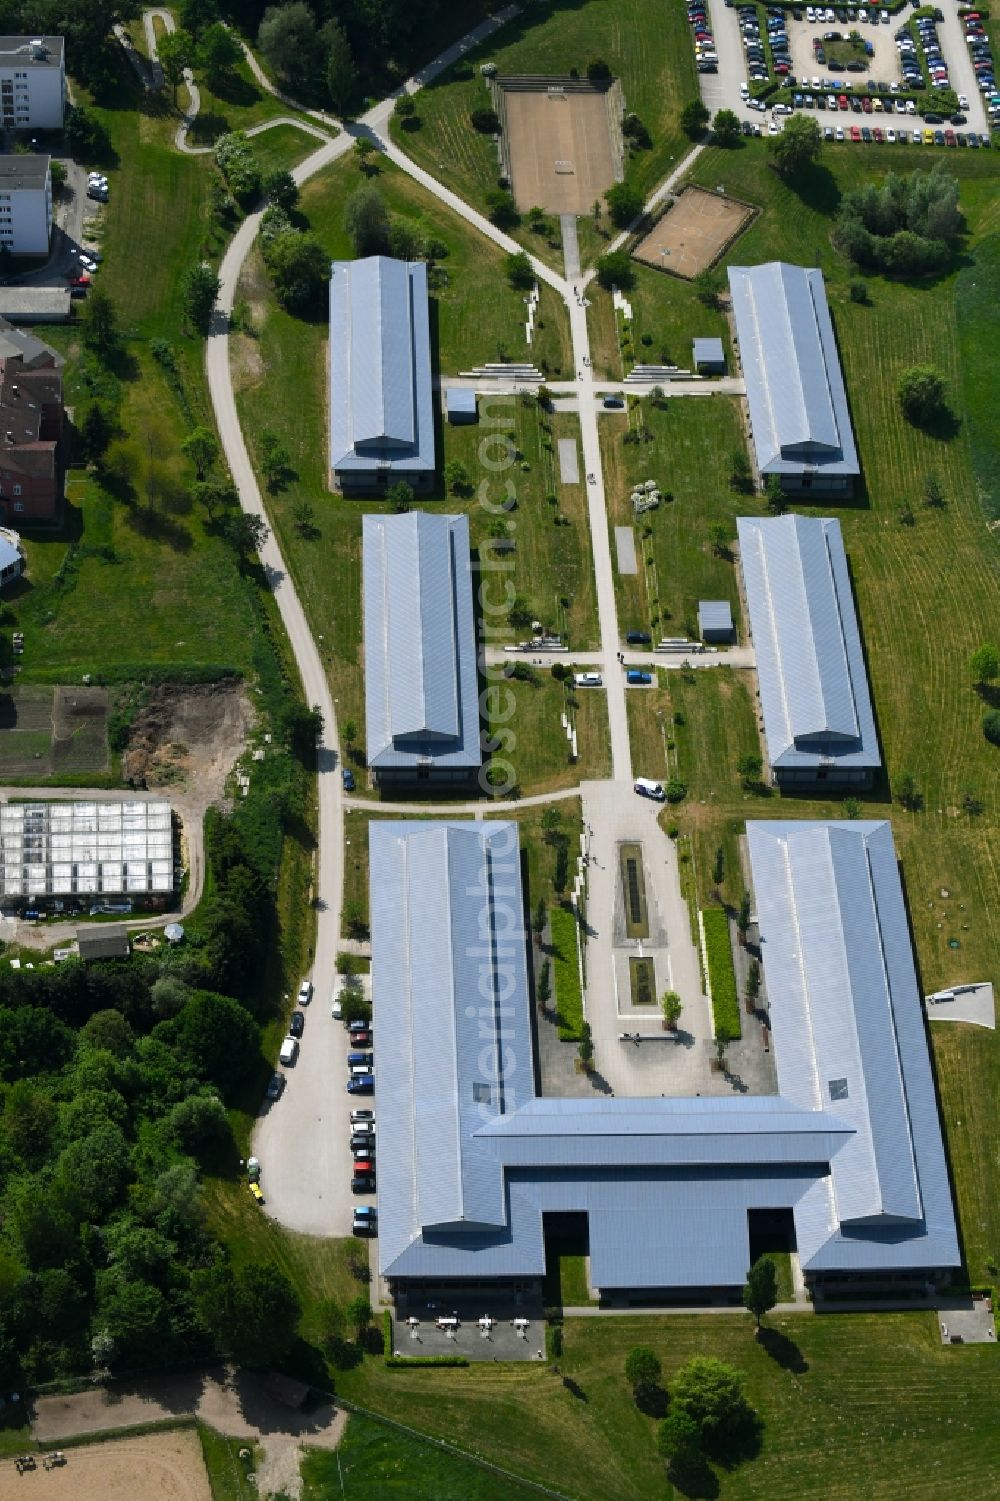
<point>930,46</point>
<point>919,137</point>
<point>289,1051</point>
<point>981,54</point>
<point>706,57</point>
<point>753,42</point>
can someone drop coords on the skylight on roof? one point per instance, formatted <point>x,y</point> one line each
<point>838,1089</point>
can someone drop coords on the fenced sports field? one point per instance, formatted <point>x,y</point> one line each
<point>561,141</point>
<point>693,232</point>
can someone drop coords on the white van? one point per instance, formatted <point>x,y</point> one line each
<point>361,1070</point>
<point>289,1050</point>
<point>647,788</point>
<point>588,680</point>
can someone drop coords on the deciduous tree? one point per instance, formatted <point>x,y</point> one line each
<point>761,1290</point>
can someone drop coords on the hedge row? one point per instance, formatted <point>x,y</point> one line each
<point>566,965</point>
<point>721,975</point>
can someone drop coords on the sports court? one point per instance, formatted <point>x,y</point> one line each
<point>694,232</point>
<point>559,143</point>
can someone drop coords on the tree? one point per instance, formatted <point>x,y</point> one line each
<point>288,35</point>
<point>299,268</point>
<point>400,496</point>
<point>798,146</point>
<point>907,793</point>
<point>214,496</point>
<point>774,495</point>
<point>405,109</point>
<point>761,1290</point>
<point>991,726</point>
<point>519,272</point>
<point>642,1370</point>
<point>366,152</point>
<point>216,1036</point>
<point>984,664</point>
<point>200,286</point>
<point>198,1124</point>
<point>615,270</point>
<point>678,1439</point>
<point>359,1314</point>
<point>624,204</point>
<point>202,448</point>
<point>99,324</point>
<point>366,220</point>
<point>274,459</point>
<point>218,54</point>
<point>175,49</point>
<point>85,133</point>
<point>726,127</point>
<point>750,768</point>
<point>281,189</point>
<point>922,393</point>
<point>486,121</point>
<point>246,534</point>
<point>706,286</point>
<point>304,518</point>
<point>456,477</point>
<point>598,70</point>
<point>502,209</point>
<point>711,1394</point>
<point>694,117</point>
<point>671,1006</point>
<point>349,731</point>
<point>718,536</point>
<point>744,914</point>
<point>252,1313</point>
<point>96,431</point>
<point>341,75</point>
<point>197,14</point>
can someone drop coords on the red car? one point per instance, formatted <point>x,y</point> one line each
<point>855,132</point>
<point>79,281</point>
<point>842,101</point>
<point>877,134</point>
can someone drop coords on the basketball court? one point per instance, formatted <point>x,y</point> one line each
<point>560,148</point>
<point>694,232</point>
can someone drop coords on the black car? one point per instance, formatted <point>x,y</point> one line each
<point>358,1142</point>
<point>296,1024</point>
<point>932,119</point>
<point>958,120</point>
<point>643,638</point>
<point>275,1085</point>
<point>866,134</point>
<point>854,67</point>
<point>364,1225</point>
<point>348,777</point>
<point>363,1183</point>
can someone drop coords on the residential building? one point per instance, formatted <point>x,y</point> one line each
<point>32,82</point>
<point>381,396</point>
<point>799,419</point>
<point>120,848</point>
<point>25,204</point>
<point>819,726</point>
<point>421,684</point>
<point>472,1159</point>
<point>31,427</point>
<point>709,356</point>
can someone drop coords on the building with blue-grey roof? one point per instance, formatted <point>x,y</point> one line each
<point>709,356</point>
<point>799,419</point>
<point>472,1159</point>
<point>819,726</point>
<point>715,620</point>
<point>421,683</point>
<point>461,405</point>
<point>381,393</point>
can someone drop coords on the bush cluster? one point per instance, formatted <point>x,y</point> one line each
<point>903,226</point>
<point>721,975</point>
<point>235,160</point>
<point>565,954</point>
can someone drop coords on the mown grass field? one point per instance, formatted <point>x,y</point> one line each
<point>649,50</point>
<point>851,1406</point>
<point>664,311</point>
<point>688,454</point>
<point>227,1473</point>
<point>533,743</point>
<point>374,1461</point>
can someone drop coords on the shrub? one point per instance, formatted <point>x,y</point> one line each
<point>238,165</point>
<point>991,726</point>
<point>486,120</point>
<point>615,270</point>
<point>624,204</point>
<point>721,975</point>
<point>675,790</point>
<point>566,965</point>
<point>921,394</point>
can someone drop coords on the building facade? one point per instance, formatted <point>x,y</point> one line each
<point>25,204</point>
<point>31,427</point>
<point>799,418</point>
<point>381,396</point>
<point>32,82</point>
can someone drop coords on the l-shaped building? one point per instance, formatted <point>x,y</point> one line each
<point>472,1158</point>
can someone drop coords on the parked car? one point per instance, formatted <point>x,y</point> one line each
<point>363,1129</point>
<point>275,1085</point>
<point>348,779</point>
<point>360,1059</point>
<point>365,1220</point>
<point>305,992</point>
<point>360,1141</point>
<point>289,1051</point>
<point>79,281</point>
<point>646,787</point>
<point>363,1183</point>
<point>361,1084</point>
<point>639,638</point>
<point>357,1026</point>
<point>637,679</point>
<point>296,1024</point>
<point>588,680</point>
<point>363,1115</point>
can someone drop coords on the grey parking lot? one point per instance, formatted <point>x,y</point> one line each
<point>417,1334</point>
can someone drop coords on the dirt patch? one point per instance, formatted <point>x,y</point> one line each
<point>187,737</point>
<point>155,1467</point>
<point>80,730</point>
<point>245,362</point>
<point>560,149</point>
<point>694,232</point>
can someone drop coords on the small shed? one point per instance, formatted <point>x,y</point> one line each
<point>715,620</point>
<point>709,357</point>
<point>461,405</point>
<point>103,941</point>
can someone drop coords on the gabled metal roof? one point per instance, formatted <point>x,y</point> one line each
<point>810,665</point>
<point>381,407</point>
<point>714,615</point>
<point>795,389</point>
<point>848,1034</point>
<point>421,695</point>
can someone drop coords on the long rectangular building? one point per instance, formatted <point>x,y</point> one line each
<point>799,420</point>
<point>66,849</point>
<point>472,1159</point>
<point>381,396</point>
<point>421,683</point>
<point>819,726</point>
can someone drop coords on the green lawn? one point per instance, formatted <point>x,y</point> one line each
<point>688,454</point>
<point>533,746</point>
<point>227,1473</point>
<point>665,312</point>
<point>375,1462</point>
<point>565,951</point>
<point>649,50</point>
<point>851,1406</point>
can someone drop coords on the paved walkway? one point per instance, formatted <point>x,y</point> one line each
<point>969,1003</point>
